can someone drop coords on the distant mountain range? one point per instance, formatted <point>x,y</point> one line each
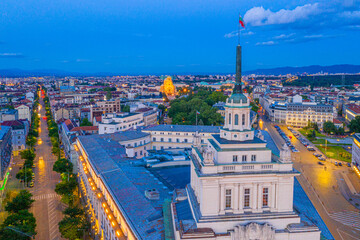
<point>341,68</point>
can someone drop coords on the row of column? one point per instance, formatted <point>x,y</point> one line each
<point>256,197</point>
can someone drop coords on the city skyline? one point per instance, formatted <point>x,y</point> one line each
<point>186,37</point>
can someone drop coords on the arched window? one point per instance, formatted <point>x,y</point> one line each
<point>236,119</point>
<point>243,119</point>
<point>229,118</point>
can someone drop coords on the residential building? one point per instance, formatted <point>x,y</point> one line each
<point>24,112</point>
<point>61,113</point>
<point>19,132</point>
<point>116,122</point>
<point>149,114</point>
<point>356,153</point>
<point>5,149</point>
<point>8,114</point>
<point>351,112</point>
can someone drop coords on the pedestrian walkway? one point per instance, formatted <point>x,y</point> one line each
<point>46,196</point>
<point>348,218</point>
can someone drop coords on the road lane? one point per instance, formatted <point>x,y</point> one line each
<point>320,183</point>
<point>47,207</point>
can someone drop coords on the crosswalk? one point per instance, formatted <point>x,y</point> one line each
<point>45,196</point>
<point>348,218</point>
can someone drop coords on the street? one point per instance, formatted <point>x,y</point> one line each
<point>321,184</point>
<point>47,207</point>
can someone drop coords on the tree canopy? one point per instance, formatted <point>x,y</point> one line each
<point>22,201</point>
<point>355,125</point>
<point>183,110</point>
<point>85,122</point>
<point>23,221</point>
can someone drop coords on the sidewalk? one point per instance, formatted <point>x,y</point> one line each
<point>349,186</point>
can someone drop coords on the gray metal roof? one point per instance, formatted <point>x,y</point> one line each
<point>128,182</point>
<point>184,128</point>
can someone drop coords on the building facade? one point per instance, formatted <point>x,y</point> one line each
<point>117,122</point>
<point>5,149</point>
<point>239,190</point>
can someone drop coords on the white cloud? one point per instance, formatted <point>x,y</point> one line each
<point>351,15</point>
<point>258,16</point>
<point>11,55</point>
<point>314,36</point>
<point>236,33</point>
<point>267,43</point>
<point>82,60</point>
<point>284,36</point>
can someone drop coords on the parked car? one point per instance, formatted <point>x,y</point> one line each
<point>340,164</point>
<point>348,164</point>
<point>336,163</point>
<point>320,163</point>
<point>310,148</point>
<point>321,158</point>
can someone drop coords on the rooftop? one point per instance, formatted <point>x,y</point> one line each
<point>123,178</point>
<point>3,131</point>
<point>185,128</point>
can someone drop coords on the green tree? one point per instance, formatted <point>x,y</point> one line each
<point>125,108</point>
<point>66,187</point>
<point>22,201</point>
<point>354,125</point>
<point>108,95</point>
<point>85,122</point>
<point>329,127</point>
<point>28,154</point>
<point>62,165</point>
<point>23,221</point>
<point>25,176</point>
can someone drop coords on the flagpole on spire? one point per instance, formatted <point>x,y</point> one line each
<point>239,31</point>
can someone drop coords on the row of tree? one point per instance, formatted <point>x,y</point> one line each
<point>74,223</point>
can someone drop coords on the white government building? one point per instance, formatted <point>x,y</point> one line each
<point>238,189</point>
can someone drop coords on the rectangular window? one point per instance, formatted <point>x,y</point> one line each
<point>154,139</point>
<point>244,158</point>
<point>185,140</point>
<point>246,197</point>
<point>177,140</point>
<point>169,139</point>
<point>235,158</point>
<point>265,197</point>
<point>253,158</point>
<point>162,139</point>
<point>228,198</point>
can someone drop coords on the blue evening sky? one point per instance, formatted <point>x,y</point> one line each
<point>176,36</point>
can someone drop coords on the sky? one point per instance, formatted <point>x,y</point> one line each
<point>176,36</point>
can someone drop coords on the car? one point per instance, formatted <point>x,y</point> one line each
<point>310,148</point>
<point>336,163</point>
<point>321,158</point>
<point>340,164</point>
<point>320,163</point>
<point>348,164</point>
<point>41,158</point>
<point>33,166</point>
<point>31,184</point>
<point>316,154</point>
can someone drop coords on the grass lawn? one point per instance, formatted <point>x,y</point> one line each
<point>336,152</point>
<point>319,141</point>
<point>307,131</point>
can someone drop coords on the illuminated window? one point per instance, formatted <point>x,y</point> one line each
<point>265,197</point>
<point>228,198</point>
<point>247,197</point>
